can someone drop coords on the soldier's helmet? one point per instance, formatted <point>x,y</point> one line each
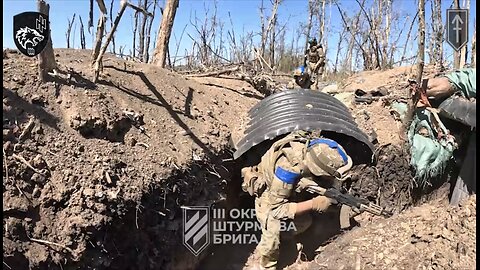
<point>299,71</point>
<point>325,157</point>
<point>313,42</point>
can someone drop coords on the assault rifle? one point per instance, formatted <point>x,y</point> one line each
<point>358,205</point>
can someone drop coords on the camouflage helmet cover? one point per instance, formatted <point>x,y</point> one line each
<point>326,157</point>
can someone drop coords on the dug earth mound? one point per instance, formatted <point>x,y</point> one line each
<point>95,175</point>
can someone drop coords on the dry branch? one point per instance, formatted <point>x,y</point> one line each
<point>100,31</point>
<point>82,35</point>
<point>26,131</point>
<point>90,16</point>
<point>139,9</point>
<point>421,41</point>
<point>52,243</point>
<point>261,59</point>
<point>408,38</point>
<point>24,161</point>
<point>146,55</point>
<point>111,24</point>
<point>215,73</point>
<point>69,30</point>
<point>97,64</point>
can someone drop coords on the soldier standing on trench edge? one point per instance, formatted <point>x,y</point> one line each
<point>316,61</point>
<point>291,165</point>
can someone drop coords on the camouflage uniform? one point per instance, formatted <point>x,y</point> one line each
<point>276,200</point>
<point>316,62</point>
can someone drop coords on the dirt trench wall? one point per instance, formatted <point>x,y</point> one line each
<point>85,187</point>
<point>149,235</point>
<point>388,182</point>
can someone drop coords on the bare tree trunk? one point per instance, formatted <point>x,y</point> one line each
<point>474,44</point>
<point>420,62</point>
<point>82,35</point>
<point>373,40</point>
<point>46,59</point>
<point>421,41</point>
<point>141,33</point>
<point>327,29</point>
<point>388,21</point>
<point>438,34</point>
<point>134,43</point>
<point>90,16</point>
<point>322,39</point>
<point>272,44</point>
<point>263,40</point>
<point>97,64</point>
<point>164,32</point>
<point>456,54</point>
<point>111,25</point>
<point>146,54</point>
<point>464,50</point>
<point>340,39</point>
<point>321,23</point>
<point>266,31</point>
<point>311,7</point>
<point>100,31</point>
<point>352,29</point>
<point>408,39</point>
<point>69,30</point>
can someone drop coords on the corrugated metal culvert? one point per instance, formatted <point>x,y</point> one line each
<point>307,110</point>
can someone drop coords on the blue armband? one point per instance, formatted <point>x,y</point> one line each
<point>286,176</point>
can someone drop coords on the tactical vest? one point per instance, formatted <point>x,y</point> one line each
<point>313,56</point>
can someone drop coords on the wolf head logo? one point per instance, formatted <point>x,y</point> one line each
<point>31,32</point>
<point>28,35</point>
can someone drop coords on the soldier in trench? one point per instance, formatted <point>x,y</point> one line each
<point>301,79</point>
<point>288,167</point>
<point>462,83</point>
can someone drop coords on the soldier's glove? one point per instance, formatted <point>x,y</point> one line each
<point>321,203</point>
<point>304,183</point>
<point>253,181</point>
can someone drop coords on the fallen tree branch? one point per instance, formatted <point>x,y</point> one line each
<point>13,180</point>
<point>215,73</point>
<point>262,60</point>
<point>27,130</point>
<point>24,161</point>
<point>52,243</point>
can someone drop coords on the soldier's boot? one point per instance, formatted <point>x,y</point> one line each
<point>254,262</point>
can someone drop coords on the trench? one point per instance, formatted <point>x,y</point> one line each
<point>150,234</point>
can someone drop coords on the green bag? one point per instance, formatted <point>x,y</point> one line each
<point>429,155</point>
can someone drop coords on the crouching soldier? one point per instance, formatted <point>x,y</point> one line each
<point>301,79</point>
<point>291,165</point>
